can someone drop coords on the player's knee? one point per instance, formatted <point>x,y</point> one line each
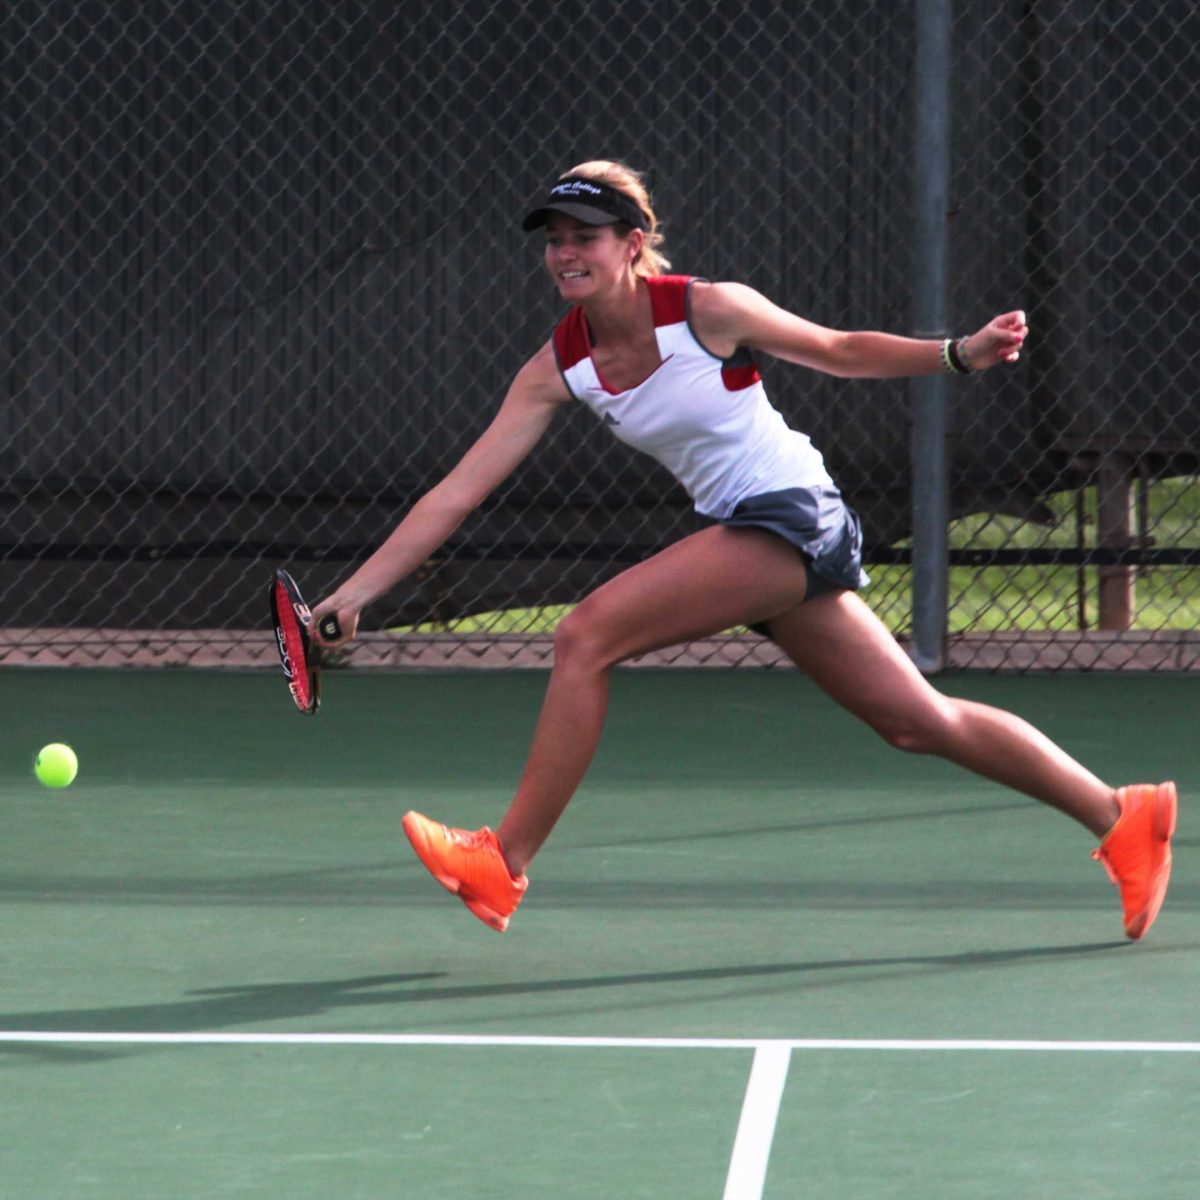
<point>925,732</point>
<point>911,741</point>
<point>580,641</point>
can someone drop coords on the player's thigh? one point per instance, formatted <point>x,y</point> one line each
<point>699,586</point>
<point>849,653</point>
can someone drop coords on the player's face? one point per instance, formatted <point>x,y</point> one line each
<point>584,260</point>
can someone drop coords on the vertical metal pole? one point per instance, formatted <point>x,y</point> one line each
<point>931,170</point>
<point>1115,508</point>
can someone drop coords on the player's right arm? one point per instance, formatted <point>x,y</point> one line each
<point>529,406</point>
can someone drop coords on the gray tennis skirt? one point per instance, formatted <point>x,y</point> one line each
<point>819,523</point>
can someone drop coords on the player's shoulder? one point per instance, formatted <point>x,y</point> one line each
<point>721,313</point>
<point>723,296</point>
<point>540,377</point>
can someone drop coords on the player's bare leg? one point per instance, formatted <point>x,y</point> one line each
<point>700,586</point>
<point>840,643</point>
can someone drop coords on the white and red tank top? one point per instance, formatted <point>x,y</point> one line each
<point>706,419</point>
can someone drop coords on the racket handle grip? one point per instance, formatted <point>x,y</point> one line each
<point>330,628</point>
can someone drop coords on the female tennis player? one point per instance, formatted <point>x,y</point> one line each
<point>667,362</point>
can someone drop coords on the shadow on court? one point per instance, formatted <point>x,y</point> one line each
<point>824,823</point>
<point>212,1009</point>
<point>801,884</point>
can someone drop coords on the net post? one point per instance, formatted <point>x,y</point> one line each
<point>931,204</point>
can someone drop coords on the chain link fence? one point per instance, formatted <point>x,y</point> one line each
<point>263,283</point>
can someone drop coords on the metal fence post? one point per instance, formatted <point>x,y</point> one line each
<point>931,203</point>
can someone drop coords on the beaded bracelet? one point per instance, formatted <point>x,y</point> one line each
<point>952,357</point>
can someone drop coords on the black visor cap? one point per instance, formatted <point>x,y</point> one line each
<point>587,201</point>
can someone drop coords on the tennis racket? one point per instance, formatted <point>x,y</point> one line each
<point>299,655</point>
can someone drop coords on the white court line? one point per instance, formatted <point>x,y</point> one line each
<point>592,1043</point>
<point>760,1106</point>
<point>756,1130</point>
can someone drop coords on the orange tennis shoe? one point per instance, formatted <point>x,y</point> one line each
<point>469,864</point>
<point>1136,851</point>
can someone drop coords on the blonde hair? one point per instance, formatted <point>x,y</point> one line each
<point>625,179</point>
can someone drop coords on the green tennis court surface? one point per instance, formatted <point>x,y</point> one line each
<point>763,955</point>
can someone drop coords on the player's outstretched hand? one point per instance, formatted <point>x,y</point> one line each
<point>1000,340</point>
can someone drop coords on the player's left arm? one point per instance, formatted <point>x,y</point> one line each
<point>728,315</point>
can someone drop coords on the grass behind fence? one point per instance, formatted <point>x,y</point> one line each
<point>990,599</point>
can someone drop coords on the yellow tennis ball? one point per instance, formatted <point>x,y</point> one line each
<point>56,765</point>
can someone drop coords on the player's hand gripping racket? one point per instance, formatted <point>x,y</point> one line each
<point>299,655</point>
